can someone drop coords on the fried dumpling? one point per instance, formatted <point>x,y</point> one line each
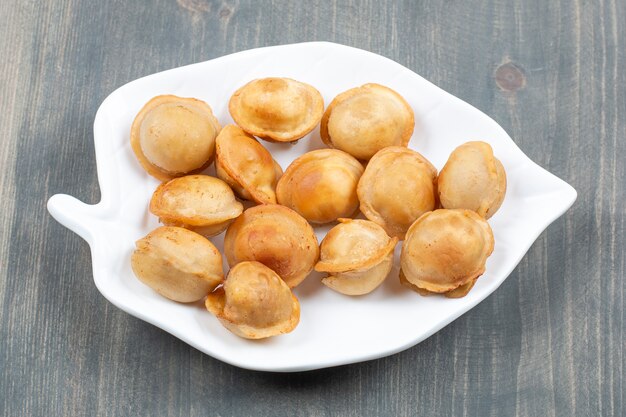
<point>201,203</point>
<point>254,302</point>
<point>277,109</point>
<point>445,251</point>
<point>366,119</point>
<point>473,179</point>
<point>396,188</point>
<point>172,136</point>
<point>276,236</point>
<point>321,185</point>
<point>245,165</point>
<point>357,255</point>
<point>177,263</point>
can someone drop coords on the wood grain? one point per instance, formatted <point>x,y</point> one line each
<point>549,342</point>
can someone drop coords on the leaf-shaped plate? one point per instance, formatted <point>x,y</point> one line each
<point>334,329</point>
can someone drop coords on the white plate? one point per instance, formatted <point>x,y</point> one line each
<point>334,329</point>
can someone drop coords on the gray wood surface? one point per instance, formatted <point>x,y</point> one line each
<point>549,342</point>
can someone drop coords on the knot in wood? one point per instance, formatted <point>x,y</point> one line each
<point>510,77</point>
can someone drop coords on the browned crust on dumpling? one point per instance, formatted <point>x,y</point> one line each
<point>276,236</point>
<point>177,263</point>
<point>458,292</point>
<point>378,171</point>
<point>357,255</point>
<point>308,187</point>
<point>160,173</point>
<point>256,308</point>
<point>247,182</point>
<point>370,88</point>
<point>202,203</point>
<point>474,179</point>
<point>435,253</point>
<point>374,255</point>
<point>264,109</point>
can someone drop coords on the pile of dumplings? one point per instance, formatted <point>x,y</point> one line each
<point>271,247</point>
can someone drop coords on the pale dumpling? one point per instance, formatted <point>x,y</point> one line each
<point>245,165</point>
<point>201,203</point>
<point>172,136</point>
<point>366,119</point>
<point>276,236</point>
<point>445,251</point>
<point>277,109</point>
<point>397,187</point>
<point>473,179</point>
<point>177,263</point>
<point>321,185</point>
<point>254,302</point>
<point>357,255</point>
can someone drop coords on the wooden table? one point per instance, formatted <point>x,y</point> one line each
<point>550,341</point>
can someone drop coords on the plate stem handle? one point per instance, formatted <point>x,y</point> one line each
<point>73,214</point>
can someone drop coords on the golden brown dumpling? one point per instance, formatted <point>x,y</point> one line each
<point>246,166</point>
<point>277,109</point>
<point>366,119</point>
<point>473,179</point>
<point>357,255</point>
<point>172,136</point>
<point>445,251</point>
<point>201,203</point>
<point>177,263</point>
<point>277,237</point>
<point>254,302</point>
<point>397,187</point>
<point>321,185</point>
